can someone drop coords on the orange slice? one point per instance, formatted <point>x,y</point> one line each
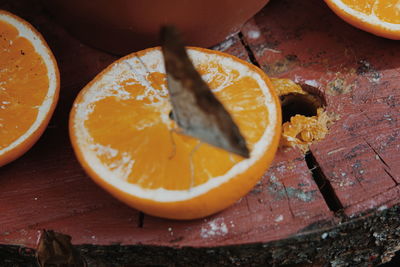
<point>380,17</point>
<point>29,86</point>
<point>124,138</point>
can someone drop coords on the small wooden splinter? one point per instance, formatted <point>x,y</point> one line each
<point>195,108</point>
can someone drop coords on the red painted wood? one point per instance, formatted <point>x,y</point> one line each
<point>359,75</point>
<point>378,202</point>
<point>284,202</point>
<point>303,40</point>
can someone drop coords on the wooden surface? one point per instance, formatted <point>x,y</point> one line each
<point>356,166</point>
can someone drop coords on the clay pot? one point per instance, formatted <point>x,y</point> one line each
<point>123,26</point>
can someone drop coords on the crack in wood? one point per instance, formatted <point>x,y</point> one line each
<point>359,180</point>
<point>250,53</point>
<point>247,205</point>
<point>365,115</point>
<point>386,167</point>
<point>324,185</point>
<point>288,200</point>
<point>140,220</point>
<point>376,152</point>
<point>391,176</point>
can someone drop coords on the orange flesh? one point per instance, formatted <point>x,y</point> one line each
<point>139,128</point>
<point>388,10</point>
<point>302,131</point>
<point>364,6</point>
<point>22,70</point>
<point>385,10</point>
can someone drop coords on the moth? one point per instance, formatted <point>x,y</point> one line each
<point>55,249</point>
<point>194,107</point>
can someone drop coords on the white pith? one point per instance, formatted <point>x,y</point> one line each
<point>154,62</point>
<point>40,47</point>
<point>368,19</point>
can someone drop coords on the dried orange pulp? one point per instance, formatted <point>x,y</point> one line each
<point>124,138</point>
<point>29,86</point>
<point>380,17</point>
<point>301,131</point>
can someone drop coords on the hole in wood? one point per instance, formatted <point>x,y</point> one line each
<point>297,104</point>
<point>301,104</point>
<point>304,117</point>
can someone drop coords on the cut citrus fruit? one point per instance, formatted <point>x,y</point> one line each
<point>29,86</point>
<point>125,139</point>
<point>380,17</point>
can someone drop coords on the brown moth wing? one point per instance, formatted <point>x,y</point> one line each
<point>195,108</point>
<point>55,249</point>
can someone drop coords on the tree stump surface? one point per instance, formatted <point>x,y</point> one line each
<point>338,204</point>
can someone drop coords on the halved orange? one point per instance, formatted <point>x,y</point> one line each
<point>125,140</point>
<point>29,86</point>
<point>380,17</point>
